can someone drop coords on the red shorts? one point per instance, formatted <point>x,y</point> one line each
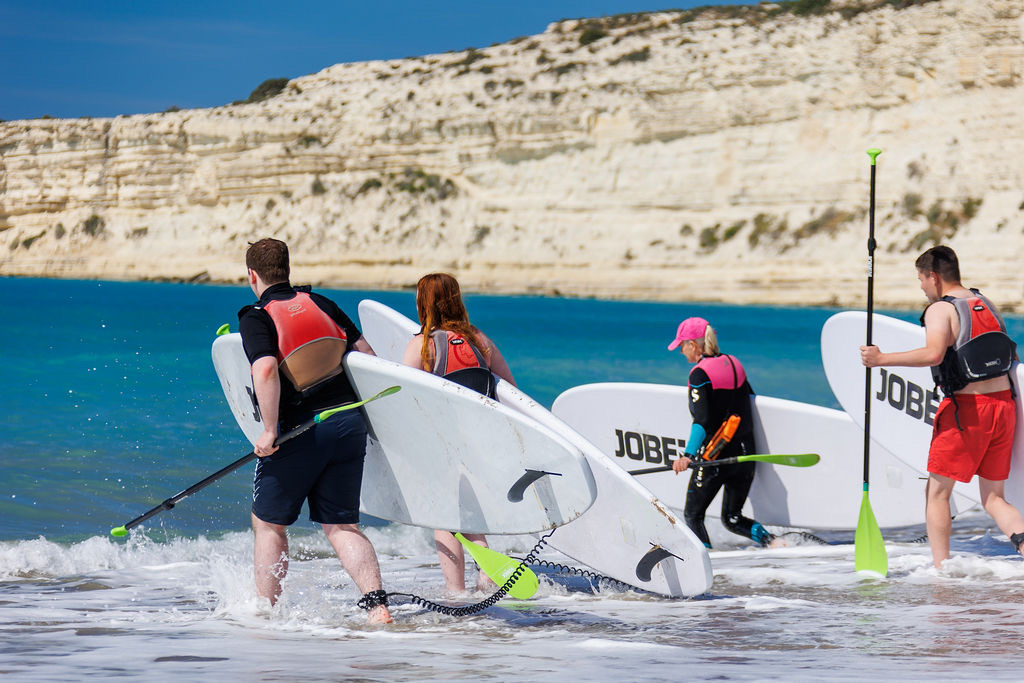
<point>985,443</point>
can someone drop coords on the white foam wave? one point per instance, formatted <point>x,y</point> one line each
<point>622,645</point>
<point>973,568</point>
<point>763,603</point>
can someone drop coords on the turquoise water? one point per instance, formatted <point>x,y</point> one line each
<point>111,405</point>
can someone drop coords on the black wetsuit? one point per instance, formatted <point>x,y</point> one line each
<point>719,388</point>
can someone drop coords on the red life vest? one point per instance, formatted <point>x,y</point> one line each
<point>458,360</point>
<point>309,343</point>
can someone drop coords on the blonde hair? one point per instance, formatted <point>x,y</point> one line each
<point>709,344</point>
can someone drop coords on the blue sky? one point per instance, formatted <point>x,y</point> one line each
<point>108,57</point>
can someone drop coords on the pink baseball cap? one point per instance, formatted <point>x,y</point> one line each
<point>691,328</point>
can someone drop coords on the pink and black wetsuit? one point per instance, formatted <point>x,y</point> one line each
<point>719,388</point>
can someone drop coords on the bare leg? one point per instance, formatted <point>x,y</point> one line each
<point>270,554</point>
<point>1006,516</point>
<point>453,560</point>
<point>938,518</point>
<point>360,561</point>
<point>483,582</point>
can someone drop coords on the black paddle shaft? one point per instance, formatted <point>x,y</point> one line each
<point>871,310</point>
<point>320,417</point>
<point>173,500</point>
<point>219,474</point>
<point>699,463</point>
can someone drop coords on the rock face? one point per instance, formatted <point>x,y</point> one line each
<point>702,155</point>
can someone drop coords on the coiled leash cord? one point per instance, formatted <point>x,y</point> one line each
<point>598,579</point>
<point>380,597</point>
<point>594,577</point>
<point>465,610</point>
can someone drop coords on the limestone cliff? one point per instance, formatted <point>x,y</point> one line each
<point>702,155</point>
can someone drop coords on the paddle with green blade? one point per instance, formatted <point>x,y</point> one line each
<point>869,546</point>
<point>500,568</point>
<point>797,460</point>
<point>175,499</point>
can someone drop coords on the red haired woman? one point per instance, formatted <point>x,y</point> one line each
<point>448,345</point>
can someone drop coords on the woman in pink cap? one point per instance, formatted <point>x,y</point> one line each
<point>718,389</point>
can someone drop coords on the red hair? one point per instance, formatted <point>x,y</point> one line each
<point>440,307</point>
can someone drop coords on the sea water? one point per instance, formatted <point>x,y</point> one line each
<point>110,405</point>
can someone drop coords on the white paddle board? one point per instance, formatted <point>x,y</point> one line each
<point>440,455</point>
<point>628,534</point>
<point>644,425</point>
<point>903,400</point>
<point>235,375</point>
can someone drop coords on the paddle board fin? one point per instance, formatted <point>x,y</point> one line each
<point>515,494</point>
<point>649,560</point>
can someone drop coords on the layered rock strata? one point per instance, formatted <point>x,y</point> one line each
<point>713,155</point>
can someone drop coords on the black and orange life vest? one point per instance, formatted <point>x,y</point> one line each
<point>310,344</point>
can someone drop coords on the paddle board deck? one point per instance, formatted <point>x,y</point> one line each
<point>903,400</point>
<point>440,455</point>
<point>642,425</point>
<point>628,534</point>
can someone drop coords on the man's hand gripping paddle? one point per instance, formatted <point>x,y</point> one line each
<point>175,499</point>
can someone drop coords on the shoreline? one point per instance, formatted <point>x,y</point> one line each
<point>881,304</point>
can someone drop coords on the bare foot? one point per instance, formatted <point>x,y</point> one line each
<point>455,592</point>
<point>485,585</point>
<point>380,615</point>
<point>778,542</point>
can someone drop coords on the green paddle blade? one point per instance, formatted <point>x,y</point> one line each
<point>798,460</point>
<point>320,417</point>
<point>869,546</point>
<point>500,567</point>
<point>223,329</point>
<point>118,531</point>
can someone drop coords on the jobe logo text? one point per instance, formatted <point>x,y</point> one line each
<point>908,397</point>
<point>648,447</point>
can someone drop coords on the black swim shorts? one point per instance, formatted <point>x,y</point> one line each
<point>323,465</point>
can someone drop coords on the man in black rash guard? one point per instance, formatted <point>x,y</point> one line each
<point>718,388</point>
<point>295,341</point>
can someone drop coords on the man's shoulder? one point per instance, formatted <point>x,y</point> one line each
<point>248,311</point>
<point>943,308</point>
<point>941,318</point>
<point>253,320</point>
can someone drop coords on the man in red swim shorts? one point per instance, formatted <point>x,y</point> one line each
<point>974,425</point>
